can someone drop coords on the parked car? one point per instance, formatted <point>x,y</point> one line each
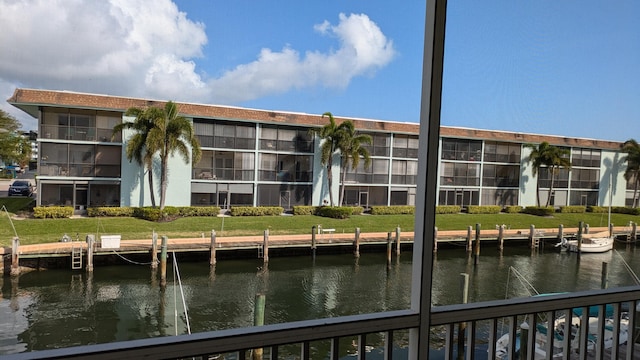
<point>20,187</point>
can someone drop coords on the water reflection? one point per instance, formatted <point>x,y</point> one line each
<point>60,308</point>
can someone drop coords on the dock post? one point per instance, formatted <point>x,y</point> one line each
<point>469,243</point>
<point>212,249</point>
<point>586,228</point>
<point>389,246</point>
<point>154,250</point>
<point>579,236</point>
<point>258,320</point>
<point>435,239</point>
<point>398,241</point>
<point>462,327</point>
<point>313,241</point>
<point>611,230</point>
<point>634,231</point>
<point>163,262</point>
<point>604,277</point>
<point>476,250</point>
<point>356,244</point>
<point>91,240</point>
<point>532,236</point>
<point>560,232</point>
<point>265,247</point>
<point>15,258</point>
<point>501,237</point>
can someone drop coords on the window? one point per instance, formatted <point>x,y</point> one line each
<point>502,152</point>
<point>405,146</point>
<point>461,149</point>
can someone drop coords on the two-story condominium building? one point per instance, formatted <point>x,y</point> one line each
<point>259,157</point>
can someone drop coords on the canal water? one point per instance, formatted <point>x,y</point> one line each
<point>60,308</point>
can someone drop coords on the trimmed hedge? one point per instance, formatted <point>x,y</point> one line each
<point>256,211</point>
<point>539,210</point>
<point>484,209</point>
<point>393,210</point>
<point>52,212</point>
<point>514,209</point>
<point>199,211</point>
<point>111,211</point>
<point>304,210</point>
<point>448,209</point>
<point>148,213</point>
<point>573,209</point>
<point>335,212</point>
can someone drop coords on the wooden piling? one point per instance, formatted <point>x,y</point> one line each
<point>586,228</point>
<point>462,327</point>
<point>604,276</point>
<point>91,240</point>
<point>356,244</point>
<point>469,239</point>
<point>476,249</point>
<point>258,320</point>
<point>501,237</point>
<point>579,237</point>
<point>560,232</point>
<point>313,241</point>
<point>163,262</point>
<point>532,236</point>
<point>212,249</point>
<point>265,247</point>
<point>398,241</point>
<point>435,239</point>
<point>154,250</point>
<point>389,247</point>
<point>611,230</point>
<point>15,258</point>
<point>634,231</point>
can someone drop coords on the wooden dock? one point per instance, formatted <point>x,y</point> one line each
<point>326,238</point>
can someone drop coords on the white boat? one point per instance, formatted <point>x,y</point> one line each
<point>591,243</point>
<point>541,336</point>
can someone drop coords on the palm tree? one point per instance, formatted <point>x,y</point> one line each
<point>331,135</point>
<point>632,149</point>
<point>551,157</point>
<point>351,150</point>
<point>172,133</point>
<point>137,146</point>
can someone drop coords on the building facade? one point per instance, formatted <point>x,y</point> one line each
<point>265,158</point>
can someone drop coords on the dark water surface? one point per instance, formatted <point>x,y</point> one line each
<point>60,308</point>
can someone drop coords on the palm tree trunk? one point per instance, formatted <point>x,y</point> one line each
<point>330,181</point>
<point>635,192</point>
<point>152,191</point>
<point>551,187</point>
<point>344,178</point>
<point>163,178</point>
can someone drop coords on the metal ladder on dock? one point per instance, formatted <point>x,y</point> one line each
<point>76,256</point>
<point>260,251</point>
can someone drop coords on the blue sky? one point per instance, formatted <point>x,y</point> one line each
<point>562,68</point>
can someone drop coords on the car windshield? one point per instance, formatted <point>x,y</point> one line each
<point>20,183</point>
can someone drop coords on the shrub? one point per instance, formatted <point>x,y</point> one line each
<point>335,212</point>
<point>199,211</point>
<point>357,210</point>
<point>623,210</point>
<point>448,209</point>
<point>52,212</point>
<point>393,210</point>
<point>573,209</point>
<point>256,211</point>
<point>109,211</point>
<point>148,213</point>
<point>304,210</point>
<point>539,210</point>
<point>484,209</point>
<point>514,209</point>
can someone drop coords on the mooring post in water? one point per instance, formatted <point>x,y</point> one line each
<point>313,241</point>
<point>265,247</point>
<point>258,320</point>
<point>163,262</point>
<point>476,250</point>
<point>560,232</point>
<point>604,277</point>
<point>532,236</point>
<point>389,246</point>
<point>634,231</point>
<point>212,249</point>
<point>154,250</point>
<point>579,237</point>
<point>91,240</point>
<point>435,239</point>
<point>586,228</point>
<point>469,239</point>
<point>356,244</point>
<point>15,258</point>
<point>398,241</point>
<point>462,327</point>
<point>611,230</point>
<point>501,237</point>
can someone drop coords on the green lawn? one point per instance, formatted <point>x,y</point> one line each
<point>32,231</point>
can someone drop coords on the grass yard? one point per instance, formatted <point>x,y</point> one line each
<point>33,231</point>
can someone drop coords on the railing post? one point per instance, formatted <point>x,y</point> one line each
<point>462,327</point>
<point>258,320</point>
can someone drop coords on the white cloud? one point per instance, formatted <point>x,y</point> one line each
<point>147,48</point>
<point>363,49</point>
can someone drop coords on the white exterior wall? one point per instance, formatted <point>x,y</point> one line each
<point>320,186</point>
<point>612,164</point>
<point>528,188</point>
